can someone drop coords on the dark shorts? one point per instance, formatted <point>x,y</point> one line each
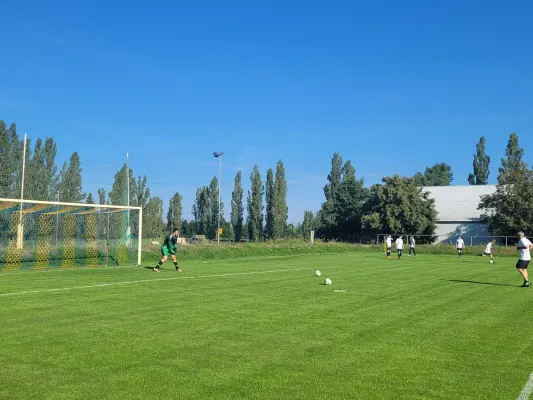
<point>487,254</point>
<point>400,251</point>
<point>389,248</point>
<point>166,252</point>
<point>522,264</point>
<point>459,249</point>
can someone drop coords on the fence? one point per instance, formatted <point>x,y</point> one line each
<point>452,240</point>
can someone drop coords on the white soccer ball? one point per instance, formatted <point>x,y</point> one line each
<point>327,281</point>
<point>318,273</point>
<point>492,261</point>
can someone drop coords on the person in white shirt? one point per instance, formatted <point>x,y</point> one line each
<point>460,246</point>
<point>389,245</point>
<point>488,249</point>
<point>399,247</point>
<point>524,257</point>
<point>412,246</point>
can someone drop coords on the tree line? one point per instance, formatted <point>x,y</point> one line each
<point>350,212</point>
<point>400,205</point>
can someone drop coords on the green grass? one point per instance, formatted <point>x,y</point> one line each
<point>434,327</point>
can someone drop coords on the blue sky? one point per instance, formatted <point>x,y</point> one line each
<point>393,86</point>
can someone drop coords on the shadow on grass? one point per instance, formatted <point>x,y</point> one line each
<point>479,283</point>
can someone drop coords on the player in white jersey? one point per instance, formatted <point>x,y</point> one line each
<point>488,249</point>
<point>399,247</point>
<point>525,257</point>
<point>460,246</point>
<point>412,243</point>
<point>389,245</point>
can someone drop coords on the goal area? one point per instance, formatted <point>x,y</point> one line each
<point>43,235</point>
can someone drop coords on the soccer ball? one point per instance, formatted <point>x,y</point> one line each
<point>327,281</point>
<point>318,273</point>
<point>492,261</point>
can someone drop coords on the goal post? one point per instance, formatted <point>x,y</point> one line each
<point>38,234</point>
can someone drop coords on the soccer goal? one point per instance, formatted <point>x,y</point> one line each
<point>43,234</point>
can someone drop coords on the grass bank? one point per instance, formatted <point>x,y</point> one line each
<point>152,252</point>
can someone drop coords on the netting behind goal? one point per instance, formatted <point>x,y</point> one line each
<point>41,235</point>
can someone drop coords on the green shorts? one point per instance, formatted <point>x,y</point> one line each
<point>166,252</point>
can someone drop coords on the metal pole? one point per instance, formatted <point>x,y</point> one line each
<point>20,232</point>
<point>219,190</point>
<point>139,250</point>
<point>57,220</point>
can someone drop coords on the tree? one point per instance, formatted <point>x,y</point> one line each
<point>399,206</point>
<point>269,197</point>
<point>101,196</point>
<point>70,188</point>
<point>438,175</point>
<point>348,206</point>
<point>237,208</point>
<point>419,179</point>
<point>175,212</point>
<point>307,225</point>
<point>214,211</point>
<point>481,165</point>
<point>512,166</point>
<point>153,226</point>
<point>280,210</point>
<point>327,215</point>
<point>201,210</point>
<point>89,199</point>
<point>11,149</point>
<point>510,208</point>
<point>255,206</point>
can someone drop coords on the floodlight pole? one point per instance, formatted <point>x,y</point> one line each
<point>219,156</point>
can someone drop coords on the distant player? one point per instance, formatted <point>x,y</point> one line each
<point>168,249</point>
<point>399,247</point>
<point>412,244</point>
<point>525,257</point>
<point>389,245</point>
<point>460,246</point>
<point>488,249</point>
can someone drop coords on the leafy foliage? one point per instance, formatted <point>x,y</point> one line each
<point>237,208</point>
<point>280,210</point>
<point>175,212</point>
<point>399,206</point>
<point>270,207</point>
<point>481,165</point>
<point>438,175</point>
<point>512,166</point>
<point>255,206</point>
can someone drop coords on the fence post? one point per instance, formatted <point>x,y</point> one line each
<point>471,241</point>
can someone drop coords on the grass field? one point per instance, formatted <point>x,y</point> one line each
<point>434,327</point>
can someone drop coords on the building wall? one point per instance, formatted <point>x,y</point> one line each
<point>472,232</point>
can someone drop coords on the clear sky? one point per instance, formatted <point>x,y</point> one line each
<point>394,86</point>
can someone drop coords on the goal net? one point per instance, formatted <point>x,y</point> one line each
<point>42,234</point>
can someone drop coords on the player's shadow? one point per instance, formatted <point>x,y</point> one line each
<point>478,283</point>
<point>152,268</point>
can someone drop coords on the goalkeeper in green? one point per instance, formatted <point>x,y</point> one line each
<point>169,250</point>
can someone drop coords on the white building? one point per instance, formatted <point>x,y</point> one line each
<point>457,212</point>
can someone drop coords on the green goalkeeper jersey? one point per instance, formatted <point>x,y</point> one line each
<point>170,243</point>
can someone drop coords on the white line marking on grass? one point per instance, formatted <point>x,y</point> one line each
<point>527,390</point>
<point>146,280</point>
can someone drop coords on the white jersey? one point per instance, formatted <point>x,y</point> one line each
<point>412,242</point>
<point>389,242</point>
<point>399,244</point>
<point>488,249</point>
<point>460,243</point>
<point>525,255</point>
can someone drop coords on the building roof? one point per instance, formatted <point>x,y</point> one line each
<point>458,203</point>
